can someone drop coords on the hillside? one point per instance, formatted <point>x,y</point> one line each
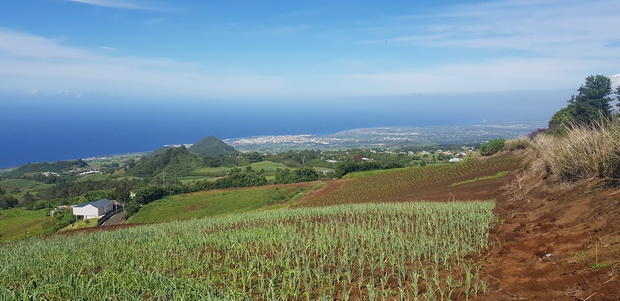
<point>212,146</point>
<point>553,240</point>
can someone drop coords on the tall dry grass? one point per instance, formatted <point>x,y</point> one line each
<point>518,143</point>
<point>584,152</point>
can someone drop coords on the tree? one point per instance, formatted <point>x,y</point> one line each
<point>492,147</point>
<point>7,201</point>
<point>305,174</point>
<point>284,176</point>
<point>591,106</point>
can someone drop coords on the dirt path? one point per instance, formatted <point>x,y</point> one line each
<point>556,241</point>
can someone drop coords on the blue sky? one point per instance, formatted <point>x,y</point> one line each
<point>283,50</point>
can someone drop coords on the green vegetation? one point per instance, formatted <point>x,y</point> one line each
<point>498,175</point>
<point>370,251</point>
<point>81,224</point>
<point>213,202</point>
<point>588,108</point>
<point>57,167</point>
<point>212,146</point>
<point>492,147</point>
<point>17,223</point>
<point>175,161</point>
<point>22,184</point>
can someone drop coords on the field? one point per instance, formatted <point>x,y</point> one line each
<point>395,251</point>
<point>216,202</point>
<point>18,223</point>
<point>417,183</point>
<point>268,166</point>
<point>22,184</point>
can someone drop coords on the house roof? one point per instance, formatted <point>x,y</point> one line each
<point>97,204</point>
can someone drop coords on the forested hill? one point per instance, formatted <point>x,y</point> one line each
<point>178,160</point>
<point>212,146</point>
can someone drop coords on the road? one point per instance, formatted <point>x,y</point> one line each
<point>117,219</point>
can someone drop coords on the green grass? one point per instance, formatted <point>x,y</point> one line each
<point>417,251</point>
<point>268,167</point>
<point>207,171</point>
<point>18,223</point>
<point>81,224</point>
<point>190,179</point>
<point>212,202</point>
<point>498,175</point>
<point>23,184</point>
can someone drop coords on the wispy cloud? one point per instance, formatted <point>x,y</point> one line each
<point>529,44</point>
<point>259,29</point>
<point>114,4</point>
<point>31,62</point>
<point>538,27</point>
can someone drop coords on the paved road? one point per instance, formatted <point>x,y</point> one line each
<point>117,219</point>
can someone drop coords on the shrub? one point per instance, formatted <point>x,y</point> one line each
<point>492,147</point>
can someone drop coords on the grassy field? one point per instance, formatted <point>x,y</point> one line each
<point>267,166</point>
<point>417,251</point>
<point>18,223</point>
<point>215,202</point>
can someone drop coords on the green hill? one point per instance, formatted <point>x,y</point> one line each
<point>212,146</point>
<point>178,161</point>
<point>58,167</point>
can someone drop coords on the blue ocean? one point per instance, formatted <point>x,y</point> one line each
<point>48,130</point>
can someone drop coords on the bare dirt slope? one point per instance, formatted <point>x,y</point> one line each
<point>556,240</point>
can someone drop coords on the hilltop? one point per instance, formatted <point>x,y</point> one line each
<point>212,146</point>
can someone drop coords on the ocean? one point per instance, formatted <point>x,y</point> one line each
<point>48,130</point>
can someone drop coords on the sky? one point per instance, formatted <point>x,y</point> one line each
<point>81,78</point>
<point>291,50</point>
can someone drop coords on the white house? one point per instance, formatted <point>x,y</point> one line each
<point>93,209</point>
<point>455,160</point>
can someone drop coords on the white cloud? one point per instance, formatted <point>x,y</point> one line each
<point>493,75</point>
<point>30,61</point>
<point>615,80</point>
<point>113,4</point>
<point>509,45</point>
<point>569,28</point>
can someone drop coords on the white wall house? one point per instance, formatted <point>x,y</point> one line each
<point>93,209</point>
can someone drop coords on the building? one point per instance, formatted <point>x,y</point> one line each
<point>93,209</point>
<point>456,160</point>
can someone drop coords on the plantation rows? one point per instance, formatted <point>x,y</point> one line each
<point>408,183</point>
<point>370,251</point>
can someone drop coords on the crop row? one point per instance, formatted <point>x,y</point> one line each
<point>412,251</point>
